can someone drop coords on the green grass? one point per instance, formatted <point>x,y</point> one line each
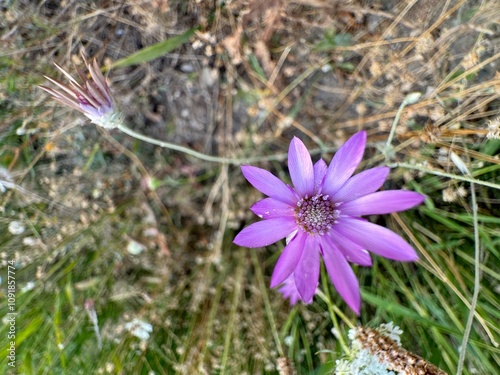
<point>83,195</point>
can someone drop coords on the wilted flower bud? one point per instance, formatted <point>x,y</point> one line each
<point>92,97</point>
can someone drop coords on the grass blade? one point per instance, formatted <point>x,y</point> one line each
<point>154,51</point>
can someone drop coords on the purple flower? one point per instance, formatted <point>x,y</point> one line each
<point>321,216</point>
<point>92,97</point>
<point>289,290</point>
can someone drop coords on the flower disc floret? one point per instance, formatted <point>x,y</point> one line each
<point>316,215</point>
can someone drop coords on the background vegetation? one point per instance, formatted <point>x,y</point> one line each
<point>99,222</point>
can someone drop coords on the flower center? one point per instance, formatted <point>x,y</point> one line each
<point>316,214</point>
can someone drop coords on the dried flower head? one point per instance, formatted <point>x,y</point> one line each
<point>494,129</point>
<point>285,366</point>
<point>321,217</point>
<point>92,97</point>
<point>449,194</point>
<point>380,344</point>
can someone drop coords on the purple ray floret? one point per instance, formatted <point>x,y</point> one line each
<point>320,216</point>
<point>289,290</point>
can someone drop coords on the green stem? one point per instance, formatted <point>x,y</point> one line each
<point>409,99</point>
<point>232,317</point>
<point>196,154</point>
<point>477,283</point>
<point>336,324</point>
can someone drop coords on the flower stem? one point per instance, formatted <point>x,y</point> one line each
<point>333,311</point>
<point>196,154</point>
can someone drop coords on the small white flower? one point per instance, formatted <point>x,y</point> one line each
<point>139,328</point>
<point>30,241</point>
<point>342,367</point>
<point>16,227</point>
<point>30,285</point>
<point>391,331</point>
<point>288,341</point>
<point>135,248</point>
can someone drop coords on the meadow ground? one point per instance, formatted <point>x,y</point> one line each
<point>121,252</point>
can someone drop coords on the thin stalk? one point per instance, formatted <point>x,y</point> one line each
<point>409,99</point>
<point>336,325</point>
<point>232,317</point>
<point>196,154</point>
<point>444,174</point>
<point>267,303</point>
<point>477,283</point>
<point>210,158</point>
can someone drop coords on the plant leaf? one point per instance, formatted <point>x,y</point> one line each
<point>156,50</point>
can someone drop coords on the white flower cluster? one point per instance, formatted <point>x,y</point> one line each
<point>360,361</point>
<point>363,363</point>
<point>391,331</point>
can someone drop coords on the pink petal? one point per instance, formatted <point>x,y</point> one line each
<point>269,207</point>
<point>269,184</point>
<point>382,202</point>
<point>320,168</point>
<point>352,251</point>
<point>307,271</point>
<point>363,183</point>
<point>288,259</point>
<point>300,167</point>
<point>377,239</point>
<point>344,162</point>
<point>342,276</point>
<point>265,232</point>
